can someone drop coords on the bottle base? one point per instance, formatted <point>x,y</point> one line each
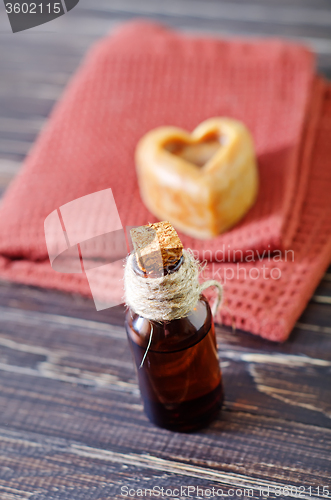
<point>187,416</point>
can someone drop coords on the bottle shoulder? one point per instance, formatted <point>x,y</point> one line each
<point>172,335</point>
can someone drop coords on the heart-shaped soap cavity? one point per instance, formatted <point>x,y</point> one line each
<point>197,152</point>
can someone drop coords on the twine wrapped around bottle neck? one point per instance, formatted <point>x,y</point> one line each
<point>169,297</point>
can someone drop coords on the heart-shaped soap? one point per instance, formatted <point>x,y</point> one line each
<point>203,182</point>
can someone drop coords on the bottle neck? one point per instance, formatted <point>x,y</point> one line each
<point>169,269</point>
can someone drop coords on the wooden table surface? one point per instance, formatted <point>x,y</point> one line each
<point>71,419</point>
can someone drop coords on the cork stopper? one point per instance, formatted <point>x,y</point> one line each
<point>157,246</point>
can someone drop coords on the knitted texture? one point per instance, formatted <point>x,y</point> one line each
<point>146,76</point>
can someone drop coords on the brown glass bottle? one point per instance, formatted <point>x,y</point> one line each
<point>180,379</point>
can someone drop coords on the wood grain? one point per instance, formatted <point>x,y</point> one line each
<point>67,377</point>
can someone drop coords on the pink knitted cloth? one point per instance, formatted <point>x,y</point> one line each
<point>146,76</point>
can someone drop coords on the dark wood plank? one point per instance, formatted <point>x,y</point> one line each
<point>112,420</point>
<point>95,353</point>
<point>69,470</point>
<point>66,374</point>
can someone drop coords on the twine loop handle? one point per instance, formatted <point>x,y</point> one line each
<point>219,297</point>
